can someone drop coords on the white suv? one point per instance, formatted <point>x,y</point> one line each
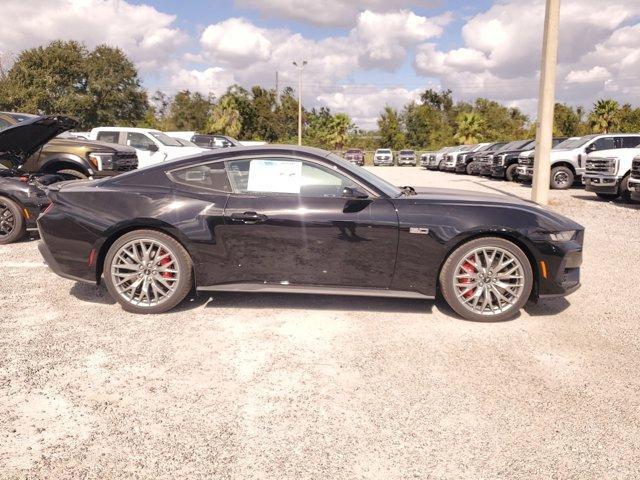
<point>152,146</point>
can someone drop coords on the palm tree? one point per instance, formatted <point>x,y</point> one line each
<point>225,118</point>
<point>605,116</point>
<point>469,126</point>
<point>338,130</point>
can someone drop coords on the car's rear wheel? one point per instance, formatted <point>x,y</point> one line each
<point>148,272</point>
<point>561,178</point>
<point>12,223</point>
<point>487,279</point>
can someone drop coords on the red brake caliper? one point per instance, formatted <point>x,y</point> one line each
<point>164,262</point>
<point>467,267</point>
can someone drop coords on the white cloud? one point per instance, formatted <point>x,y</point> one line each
<point>212,80</point>
<point>342,13</point>
<point>365,102</point>
<point>237,41</point>
<point>146,35</point>
<point>598,54</point>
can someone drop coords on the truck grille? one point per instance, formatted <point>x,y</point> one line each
<point>497,160</point>
<point>126,162</point>
<point>635,169</point>
<point>601,165</point>
<point>525,161</point>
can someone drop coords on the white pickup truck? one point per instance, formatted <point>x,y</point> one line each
<point>634,179</point>
<point>152,146</point>
<point>568,159</point>
<point>608,172</point>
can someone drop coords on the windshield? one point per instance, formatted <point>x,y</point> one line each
<point>491,146</point>
<point>185,143</point>
<point>406,152</point>
<point>384,151</point>
<point>382,185</point>
<point>165,139</point>
<point>353,151</point>
<point>572,143</point>
<point>19,117</point>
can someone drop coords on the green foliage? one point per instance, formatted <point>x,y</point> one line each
<point>469,128</point>
<point>99,87</point>
<point>629,119</point>
<point>225,118</point>
<point>390,129</point>
<point>605,116</point>
<point>567,121</point>
<point>190,111</point>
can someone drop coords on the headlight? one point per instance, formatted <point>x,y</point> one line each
<point>563,236</point>
<point>102,161</point>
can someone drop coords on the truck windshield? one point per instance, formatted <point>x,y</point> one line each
<point>572,143</point>
<point>165,139</point>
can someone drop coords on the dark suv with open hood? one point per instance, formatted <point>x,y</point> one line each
<point>78,158</point>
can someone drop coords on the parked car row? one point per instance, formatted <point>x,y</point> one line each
<point>283,219</point>
<point>607,164</point>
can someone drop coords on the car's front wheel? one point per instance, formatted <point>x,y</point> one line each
<point>148,272</point>
<point>487,279</point>
<point>510,174</point>
<point>561,178</point>
<point>12,224</point>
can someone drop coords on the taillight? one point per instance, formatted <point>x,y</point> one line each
<point>46,210</point>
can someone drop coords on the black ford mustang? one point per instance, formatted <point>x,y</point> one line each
<point>295,219</point>
<point>22,197</point>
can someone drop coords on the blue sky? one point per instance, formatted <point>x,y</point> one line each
<point>362,54</point>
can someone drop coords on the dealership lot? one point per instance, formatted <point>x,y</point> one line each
<point>277,386</point>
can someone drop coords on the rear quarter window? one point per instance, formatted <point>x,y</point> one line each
<point>210,176</point>
<point>108,137</point>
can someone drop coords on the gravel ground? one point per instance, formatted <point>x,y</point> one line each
<point>305,387</point>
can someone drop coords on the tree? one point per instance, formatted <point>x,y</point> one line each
<point>629,119</point>
<point>501,123</point>
<point>470,126</point>
<point>225,118</point>
<point>390,127</point>
<point>605,116</point>
<point>190,111</point>
<point>338,130</point>
<point>566,121</point>
<point>98,87</point>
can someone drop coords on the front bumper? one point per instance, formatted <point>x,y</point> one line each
<point>634,188</point>
<point>382,161</point>
<point>485,169</point>
<point>524,173</point>
<point>498,171</point>
<point>601,183</point>
<point>407,161</point>
<point>562,263</point>
<point>449,168</point>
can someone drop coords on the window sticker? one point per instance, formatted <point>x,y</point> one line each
<point>275,176</point>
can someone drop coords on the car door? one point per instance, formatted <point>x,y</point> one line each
<point>147,150</point>
<point>287,221</point>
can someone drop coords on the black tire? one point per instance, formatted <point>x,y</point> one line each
<point>12,223</point>
<point>624,191</point>
<point>562,178</point>
<point>510,174</point>
<point>73,173</point>
<point>468,169</point>
<point>447,280</point>
<point>184,267</point>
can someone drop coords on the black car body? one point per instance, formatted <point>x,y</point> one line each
<point>464,161</point>
<point>22,197</point>
<point>505,164</point>
<point>482,163</point>
<point>355,156</point>
<point>230,230</point>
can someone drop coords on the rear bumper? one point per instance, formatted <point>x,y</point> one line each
<point>59,269</point>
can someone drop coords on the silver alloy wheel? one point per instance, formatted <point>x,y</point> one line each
<point>145,272</point>
<point>561,178</point>
<point>489,281</point>
<point>7,220</point>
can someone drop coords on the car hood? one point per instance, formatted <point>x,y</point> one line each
<point>93,145</point>
<point>18,142</point>
<point>426,195</point>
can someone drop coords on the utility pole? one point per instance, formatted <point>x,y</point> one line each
<point>546,104</point>
<point>300,67</point>
<point>277,91</point>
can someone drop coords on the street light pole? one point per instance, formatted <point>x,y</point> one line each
<point>546,104</point>
<point>300,67</point>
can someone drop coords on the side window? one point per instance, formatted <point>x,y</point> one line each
<point>4,124</point>
<point>284,176</point>
<point>629,142</point>
<point>212,176</point>
<point>140,141</point>
<point>108,137</point>
<point>604,143</point>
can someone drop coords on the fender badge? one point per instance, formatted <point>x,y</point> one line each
<point>419,230</point>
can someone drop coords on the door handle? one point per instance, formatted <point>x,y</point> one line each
<point>248,217</point>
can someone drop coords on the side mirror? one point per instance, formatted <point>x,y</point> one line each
<point>152,147</point>
<point>352,192</point>
<point>590,148</point>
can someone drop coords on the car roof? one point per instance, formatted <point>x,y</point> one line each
<point>126,129</point>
